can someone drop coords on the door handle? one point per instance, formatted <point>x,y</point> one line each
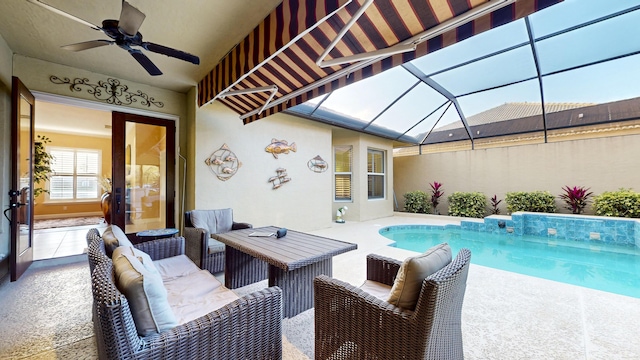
<point>13,202</point>
<point>118,199</point>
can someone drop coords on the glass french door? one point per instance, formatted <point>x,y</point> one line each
<point>143,193</point>
<point>21,196</point>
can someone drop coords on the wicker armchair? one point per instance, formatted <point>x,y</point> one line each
<point>204,251</point>
<point>248,328</point>
<point>352,324</point>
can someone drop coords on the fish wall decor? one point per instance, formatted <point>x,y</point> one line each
<point>278,147</point>
<point>280,179</point>
<point>223,163</point>
<point>317,164</point>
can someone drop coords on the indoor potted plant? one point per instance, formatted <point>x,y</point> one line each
<point>41,165</point>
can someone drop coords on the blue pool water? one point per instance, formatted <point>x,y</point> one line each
<point>606,267</point>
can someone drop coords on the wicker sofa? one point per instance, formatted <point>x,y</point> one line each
<point>247,328</point>
<point>351,323</point>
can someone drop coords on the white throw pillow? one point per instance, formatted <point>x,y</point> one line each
<point>408,283</point>
<point>144,291</point>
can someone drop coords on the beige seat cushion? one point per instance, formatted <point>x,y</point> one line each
<point>113,237</point>
<point>379,290</point>
<point>144,291</point>
<point>175,267</point>
<point>408,284</point>
<point>191,292</point>
<point>197,294</point>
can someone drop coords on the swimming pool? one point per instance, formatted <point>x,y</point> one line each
<point>607,267</point>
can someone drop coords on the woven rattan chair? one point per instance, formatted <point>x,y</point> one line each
<point>247,328</point>
<point>352,324</point>
<point>205,252</point>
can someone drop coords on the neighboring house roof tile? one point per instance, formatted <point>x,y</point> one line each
<point>510,111</point>
<point>557,118</point>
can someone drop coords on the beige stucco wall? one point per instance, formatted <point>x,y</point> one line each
<point>603,164</point>
<point>5,149</point>
<point>189,150</point>
<point>304,203</point>
<point>360,208</point>
<point>35,74</point>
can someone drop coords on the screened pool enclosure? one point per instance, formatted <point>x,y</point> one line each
<point>573,64</point>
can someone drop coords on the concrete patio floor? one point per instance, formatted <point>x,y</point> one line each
<point>507,315</point>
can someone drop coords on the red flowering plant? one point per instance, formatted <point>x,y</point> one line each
<point>494,205</point>
<point>576,199</point>
<point>436,193</point>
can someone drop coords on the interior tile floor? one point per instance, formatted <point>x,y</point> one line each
<point>60,242</point>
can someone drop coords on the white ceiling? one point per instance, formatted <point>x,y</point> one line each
<point>206,28</point>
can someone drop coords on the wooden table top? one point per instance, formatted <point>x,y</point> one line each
<point>293,251</point>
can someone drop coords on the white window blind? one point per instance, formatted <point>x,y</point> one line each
<point>342,172</point>
<point>75,174</point>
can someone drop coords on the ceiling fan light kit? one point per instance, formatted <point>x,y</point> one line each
<point>124,33</point>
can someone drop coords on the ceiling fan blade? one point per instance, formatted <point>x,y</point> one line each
<point>87,45</point>
<point>67,15</point>
<point>171,52</point>
<point>130,19</point>
<point>146,63</point>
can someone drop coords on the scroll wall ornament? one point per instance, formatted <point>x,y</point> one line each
<point>223,163</point>
<point>110,91</point>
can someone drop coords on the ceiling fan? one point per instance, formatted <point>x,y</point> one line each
<point>124,33</point>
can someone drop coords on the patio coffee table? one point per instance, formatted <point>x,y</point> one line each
<point>293,262</point>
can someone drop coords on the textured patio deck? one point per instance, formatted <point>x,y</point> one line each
<point>508,315</point>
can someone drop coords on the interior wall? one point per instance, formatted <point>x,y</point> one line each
<point>45,209</point>
<point>602,164</point>
<point>304,203</point>
<point>6,63</point>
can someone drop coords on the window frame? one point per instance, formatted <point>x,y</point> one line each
<point>75,175</point>
<point>371,172</point>
<point>349,149</point>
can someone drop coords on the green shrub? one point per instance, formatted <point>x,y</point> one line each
<point>533,201</point>
<point>621,203</point>
<point>467,204</point>
<point>416,202</point>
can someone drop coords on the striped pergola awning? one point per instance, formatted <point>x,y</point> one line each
<point>304,49</point>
